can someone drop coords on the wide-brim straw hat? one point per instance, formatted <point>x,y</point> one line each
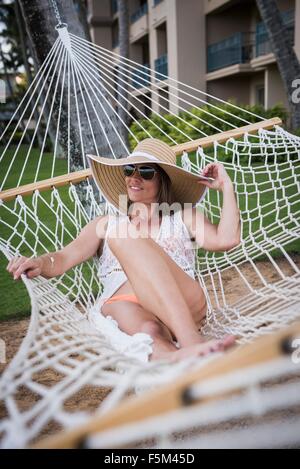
<point>109,176</point>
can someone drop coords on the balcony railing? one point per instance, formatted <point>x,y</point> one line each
<point>140,77</point>
<point>143,10</point>
<point>236,49</point>
<point>161,66</point>
<point>262,42</point>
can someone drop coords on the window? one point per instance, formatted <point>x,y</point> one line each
<point>260,95</point>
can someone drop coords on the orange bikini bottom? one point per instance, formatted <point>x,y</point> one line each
<point>127,297</point>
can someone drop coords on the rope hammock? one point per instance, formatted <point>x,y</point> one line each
<point>81,94</point>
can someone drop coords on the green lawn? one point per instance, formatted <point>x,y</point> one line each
<point>14,300</point>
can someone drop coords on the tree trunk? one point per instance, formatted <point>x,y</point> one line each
<point>25,59</point>
<point>41,20</point>
<point>51,129</point>
<point>287,60</point>
<point>123,8</point>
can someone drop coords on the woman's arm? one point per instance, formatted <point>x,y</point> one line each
<point>227,234</point>
<point>57,263</point>
<point>229,227</point>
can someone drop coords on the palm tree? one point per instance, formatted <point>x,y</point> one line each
<point>25,57</point>
<point>123,8</point>
<point>288,64</point>
<point>40,20</point>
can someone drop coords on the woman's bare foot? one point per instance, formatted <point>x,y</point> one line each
<point>196,350</point>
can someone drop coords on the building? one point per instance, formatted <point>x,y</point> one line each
<point>240,61</point>
<point>218,46</point>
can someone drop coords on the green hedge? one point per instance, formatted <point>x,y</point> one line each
<point>182,121</point>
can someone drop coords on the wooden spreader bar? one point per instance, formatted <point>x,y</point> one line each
<point>173,395</point>
<point>189,147</point>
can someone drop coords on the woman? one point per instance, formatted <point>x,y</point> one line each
<point>147,259</point>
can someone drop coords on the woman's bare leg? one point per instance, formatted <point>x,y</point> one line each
<point>133,318</point>
<point>155,286</point>
<point>190,288</point>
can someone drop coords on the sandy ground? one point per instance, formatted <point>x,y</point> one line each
<point>89,398</point>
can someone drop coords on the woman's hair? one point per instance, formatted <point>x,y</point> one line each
<point>165,193</point>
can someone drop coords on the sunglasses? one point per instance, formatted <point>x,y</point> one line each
<point>146,172</point>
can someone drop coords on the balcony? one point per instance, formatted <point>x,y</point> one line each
<point>213,5</point>
<point>161,66</point>
<point>141,76</point>
<point>262,42</point>
<point>236,49</point>
<point>143,10</point>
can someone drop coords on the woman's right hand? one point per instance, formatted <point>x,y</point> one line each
<point>31,266</point>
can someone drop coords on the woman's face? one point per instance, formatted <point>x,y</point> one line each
<point>142,190</point>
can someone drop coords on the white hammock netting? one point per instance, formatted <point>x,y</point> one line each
<point>259,413</point>
<point>81,110</point>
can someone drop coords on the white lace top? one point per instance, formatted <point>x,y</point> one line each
<point>173,237</point>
